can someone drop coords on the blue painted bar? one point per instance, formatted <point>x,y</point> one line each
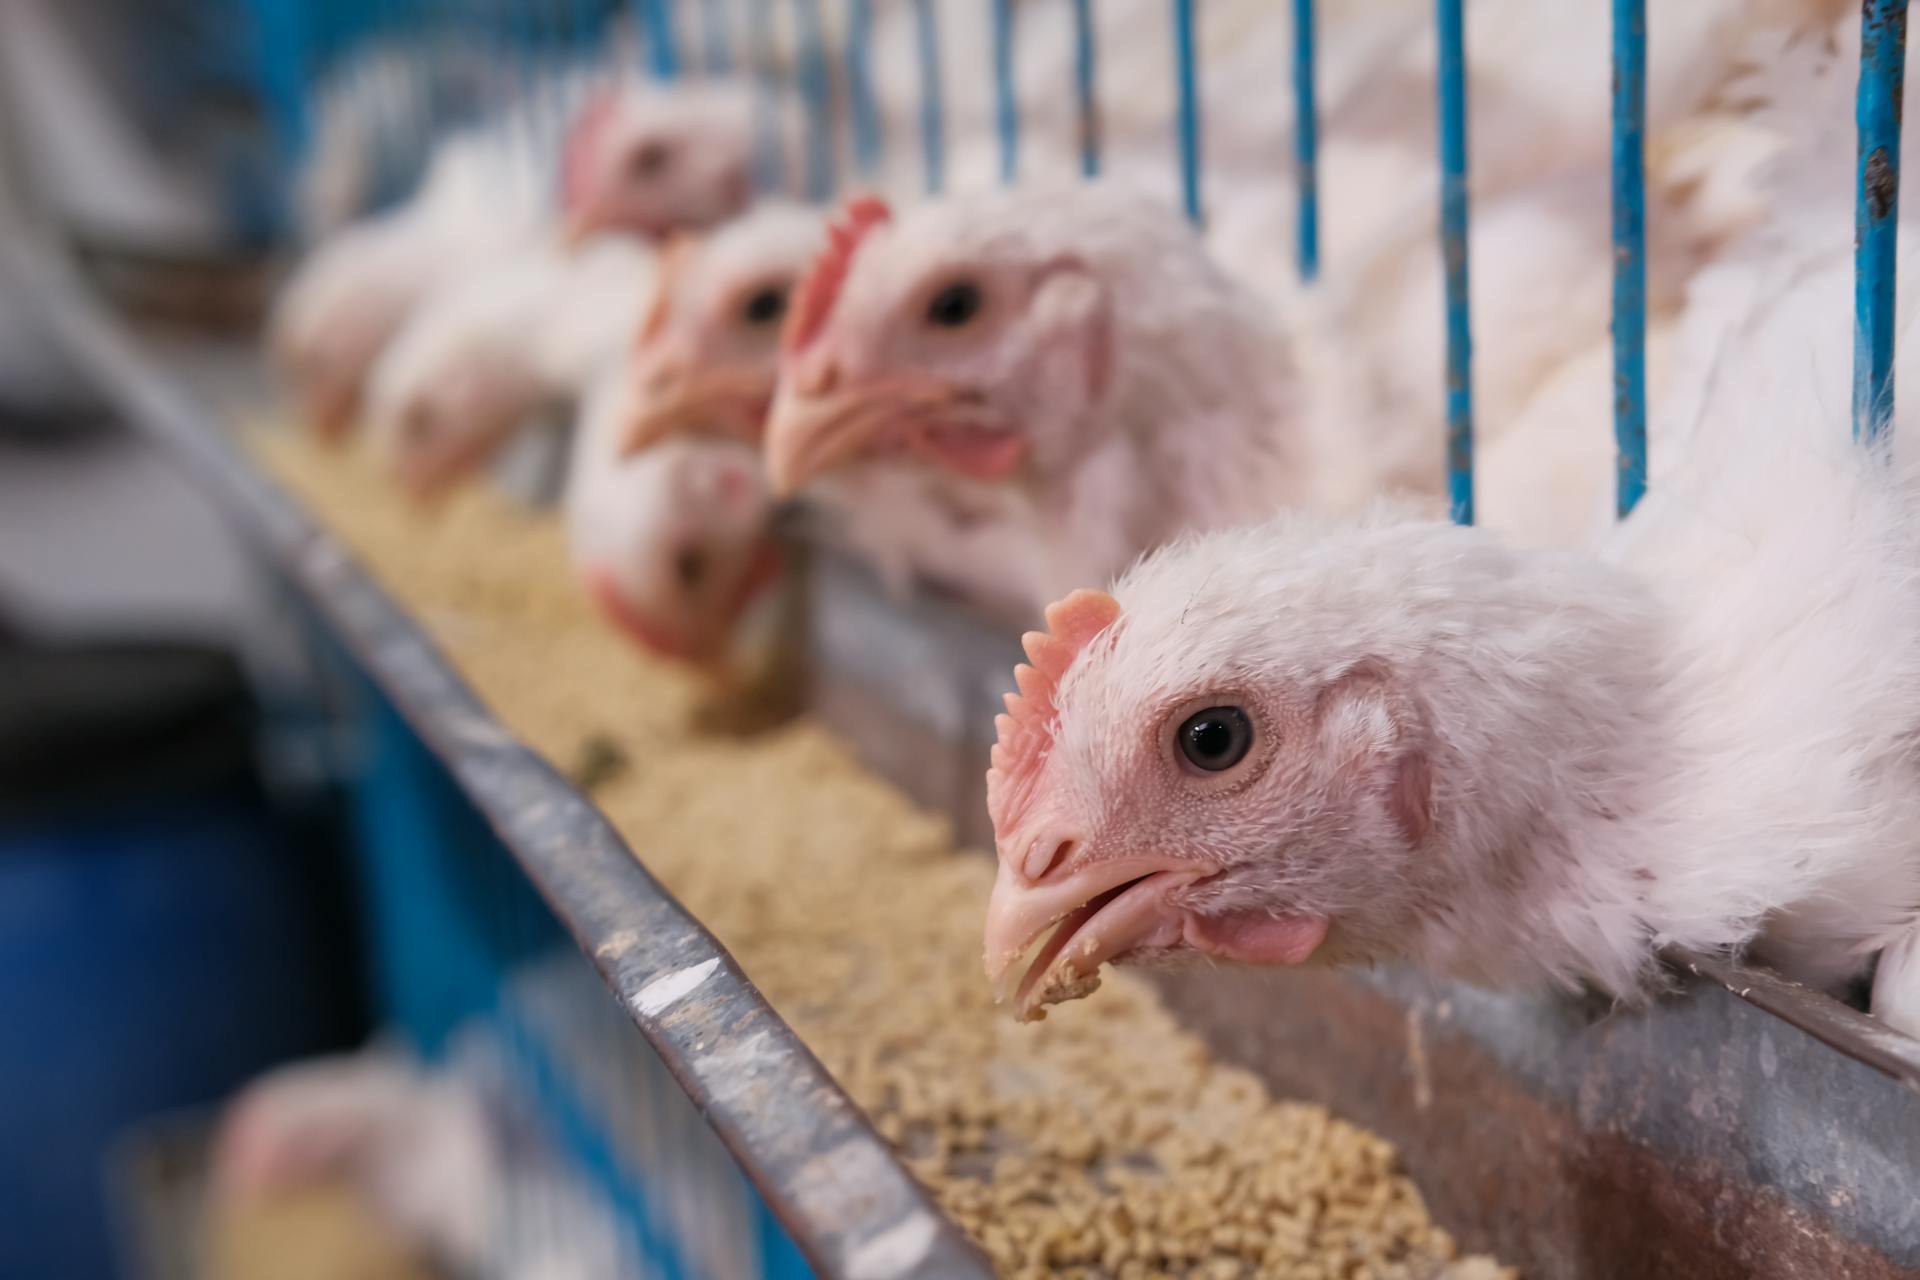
<point>769,146</point>
<point>862,108</point>
<point>926,27</point>
<point>1084,79</point>
<point>1453,248</point>
<point>1184,58</point>
<point>1883,69</point>
<point>816,89</point>
<point>716,37</point>
<point>1629,253</point>
<point>1306,141</point>
<point>1006,110</point>
<point>663,44</point>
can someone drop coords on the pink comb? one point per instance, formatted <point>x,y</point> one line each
<point>821,288</point>
<point>1026,729</point>
<point>583,138</point>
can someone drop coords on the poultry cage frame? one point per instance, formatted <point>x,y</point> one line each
<point>1743,1126</point>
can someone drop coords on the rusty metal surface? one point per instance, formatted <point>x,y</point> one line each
<point>853,1209</point>
<point>1716,1135</point>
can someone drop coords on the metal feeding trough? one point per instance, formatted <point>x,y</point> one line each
<point>1741,1127</point>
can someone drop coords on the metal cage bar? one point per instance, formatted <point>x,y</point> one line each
<point>1629,253</point>
<point>1006,108</point>
<point>1085,84</point>
<point>1883,68</point>
<point>663,44</point>
<point>1306,142</point>
<point>1186,72</point>
<point>1450,32</point>
<point>716,37</point>
<point>926,31</point>
<point>816,88</point>
<point>861,107</point>
<point>770,152</point>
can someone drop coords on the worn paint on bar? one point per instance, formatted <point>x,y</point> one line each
<point>1883,66</point>
<point>1453,247</point>
<point>1629,252</point>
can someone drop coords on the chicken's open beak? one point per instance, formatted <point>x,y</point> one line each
<point>713,402</point>
<point>1103,910</point>
<point>810,435</point>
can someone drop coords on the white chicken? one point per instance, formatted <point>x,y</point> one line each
<point>480,357</point>
<point>674,543</point>
<point>1015,391</point>
<point>1395,739</point>
<point>637,159</point>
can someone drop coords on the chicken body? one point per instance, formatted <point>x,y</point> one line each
<point>644,161</point>
<point>480,357</point>
<point>1402,740</point>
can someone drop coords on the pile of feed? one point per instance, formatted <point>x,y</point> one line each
<point>1104,1142</point>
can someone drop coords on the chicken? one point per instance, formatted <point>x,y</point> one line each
<point>643,160</point>
<point>1064,379</point>
<point>709,349</point>
<point>482,356</point>
<point>674,543</point>
<point>1010,356</point>
<point>417,1148</point>
<point>1400,740</point>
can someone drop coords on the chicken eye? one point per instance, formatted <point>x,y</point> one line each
<point>649,160</point>
<point>954,305</point>
<point>1216,739</point>
<point>765,306</point>
<point>690,566</point>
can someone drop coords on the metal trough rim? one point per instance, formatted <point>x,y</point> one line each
<point>831,1180</point>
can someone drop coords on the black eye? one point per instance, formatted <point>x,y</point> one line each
<point>650,160</point>
<point>766,306</point>
<point>1217,738</point>
<point>690,566</point>
<point>954,305</point>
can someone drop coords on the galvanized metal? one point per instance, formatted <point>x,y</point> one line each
<point>1451,34</point>
<point>1883,70</point>
<point>926,31</point>
<point>1629,252</point>
<point>1006,98</point>
<point>1085,84</point>
<point>1186,72</point>
<point>862,109</point>
<point>1306,142</point>
<point>816,89</point>
<point>852,1208</point>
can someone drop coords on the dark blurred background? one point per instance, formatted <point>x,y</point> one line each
<point>174,917</point>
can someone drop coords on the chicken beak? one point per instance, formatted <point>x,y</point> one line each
<point>713,403</point>
<point>1103,910</point>
<point>808,436</point>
